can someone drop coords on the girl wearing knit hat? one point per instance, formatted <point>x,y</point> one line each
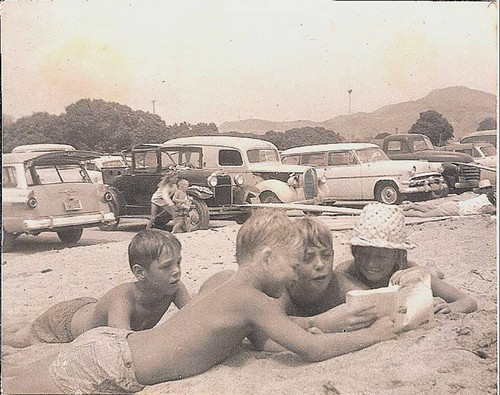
<point>379,247</point>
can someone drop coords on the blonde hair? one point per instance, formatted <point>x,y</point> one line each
<point>314,232</point>
<point>266,228</point>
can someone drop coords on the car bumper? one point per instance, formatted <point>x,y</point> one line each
<point>431,184</point>
<point>469,184</point>
<point>53,223</point>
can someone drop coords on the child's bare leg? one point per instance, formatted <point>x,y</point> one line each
<point>154,213</point>
<point>24,337</point>
<point>32,379</point>
<point>178,228</point>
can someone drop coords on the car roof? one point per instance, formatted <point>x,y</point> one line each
<point>328,147</point>
<point>221,141</point>
<point>492,132</point>
<point>468,145</point>
<point>45,157</point>
<point>43,148</point>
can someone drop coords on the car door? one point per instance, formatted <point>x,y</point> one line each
<point>343,175</point>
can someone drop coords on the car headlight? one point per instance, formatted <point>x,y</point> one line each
<point>239,179</point>
<point>108,196</point>
<point>32,202</point>
<point>293,182</point>
<point>212,180</point>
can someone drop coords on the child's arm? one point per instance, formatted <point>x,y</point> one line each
<point>179,197</point>
<point>449,299</point>
<point>120,313</point>
<point>266,316</point>
<point>182,296</point>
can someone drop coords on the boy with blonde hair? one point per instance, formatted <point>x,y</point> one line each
<point>207,330</point>
<point>154,258</point>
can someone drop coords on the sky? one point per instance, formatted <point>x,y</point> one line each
<point>222,60</point>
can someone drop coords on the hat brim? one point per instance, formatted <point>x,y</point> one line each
<point>380,243</point>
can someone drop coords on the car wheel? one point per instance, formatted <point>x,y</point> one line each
<point>198,215</point>
<point>269,197</point>
<point>388,193</point>
<point>70,236</point>
<point>8,240</point>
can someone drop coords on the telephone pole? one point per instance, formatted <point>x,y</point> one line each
<point>153,101</point>
<point>349,91</point>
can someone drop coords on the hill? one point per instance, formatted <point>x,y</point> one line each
<point>464,108</point>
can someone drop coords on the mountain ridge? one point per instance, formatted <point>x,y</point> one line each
<point>464,108</point>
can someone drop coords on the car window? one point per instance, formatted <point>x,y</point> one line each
<point>191,159</point>
<point>489,151</point>
<point>262,155</point>
<point>169,158</point>
<point>145,160</point>
<point>228,157</point>
<point>314,159</point>
<point>341,159</point>
<point>369,155</point>
<point>113,163</point>
<point>397,146</point>
<point>9,178</point>
<point>291,160</point>
<point>91,166</point>
<point>422,145</point>
<point>57,174</point>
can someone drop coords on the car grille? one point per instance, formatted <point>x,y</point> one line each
<point>468,173</point>
<point>310,184</point>
<point>223,191</point>
<point>425,180</point>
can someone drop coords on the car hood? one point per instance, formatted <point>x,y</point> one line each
<point>277,167</point>
<point>488,161</point>
<point>399,166</point>
<point>444,156</point>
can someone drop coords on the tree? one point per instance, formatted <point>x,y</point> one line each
<point>487,124</point>
<point>310,136</point>
<point>433,125</point>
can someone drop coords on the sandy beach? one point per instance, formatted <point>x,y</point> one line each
<point>457,355</point>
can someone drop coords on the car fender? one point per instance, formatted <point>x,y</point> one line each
<point>200,192</point>
<point>282,190</point>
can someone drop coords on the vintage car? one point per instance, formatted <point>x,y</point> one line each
<point>115,163</point>
<point>256,164</point>
<point>43,148</point>
<point>485,136</point>
<point>362,171</point>
<point>485,154</point>
<point>225,175</point>
<point>50,192</point>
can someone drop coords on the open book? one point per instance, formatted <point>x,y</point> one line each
<point>411,304</point>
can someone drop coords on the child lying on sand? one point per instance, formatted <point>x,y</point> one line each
<point>379,248</point>
<point>154,258</point>
<point>204,332</point>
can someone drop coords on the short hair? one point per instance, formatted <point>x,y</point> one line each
<point>182,181</point>
<point>266,228</point>
<point>314,232</point>
<point>148,244</point>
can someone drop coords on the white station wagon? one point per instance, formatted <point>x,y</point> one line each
<point>362,171</point>
<point>50,192</point>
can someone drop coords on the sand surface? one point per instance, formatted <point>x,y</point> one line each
<point>458,355</point>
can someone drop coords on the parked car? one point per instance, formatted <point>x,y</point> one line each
<point>483,153</point>
<point>115,163</point>
<point>362,171</point>
<point>413,146</point>
<point>256,163</point>
<point>50,192</point>
<point>486,136</point>
<point>225,174</point>
<point>43,148</point>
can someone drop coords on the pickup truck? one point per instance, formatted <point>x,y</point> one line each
<point>459,176</point>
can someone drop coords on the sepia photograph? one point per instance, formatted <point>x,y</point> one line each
<point>266,197</point>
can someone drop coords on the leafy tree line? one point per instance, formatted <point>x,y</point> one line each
<point>102,126</point>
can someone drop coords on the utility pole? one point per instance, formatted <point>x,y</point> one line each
<point>349,91</point>
<point>153,101</point>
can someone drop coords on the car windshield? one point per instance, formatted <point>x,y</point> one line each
<point>263,155</point>
<point>422,145</point>
<point>368,155</point>
<point>57,174</point>
<point>488,151</point>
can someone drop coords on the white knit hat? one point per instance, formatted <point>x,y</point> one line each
<point>381,225</point>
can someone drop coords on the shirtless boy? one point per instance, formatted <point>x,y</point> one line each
<point>154,258</point>
<point>207,330</point>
